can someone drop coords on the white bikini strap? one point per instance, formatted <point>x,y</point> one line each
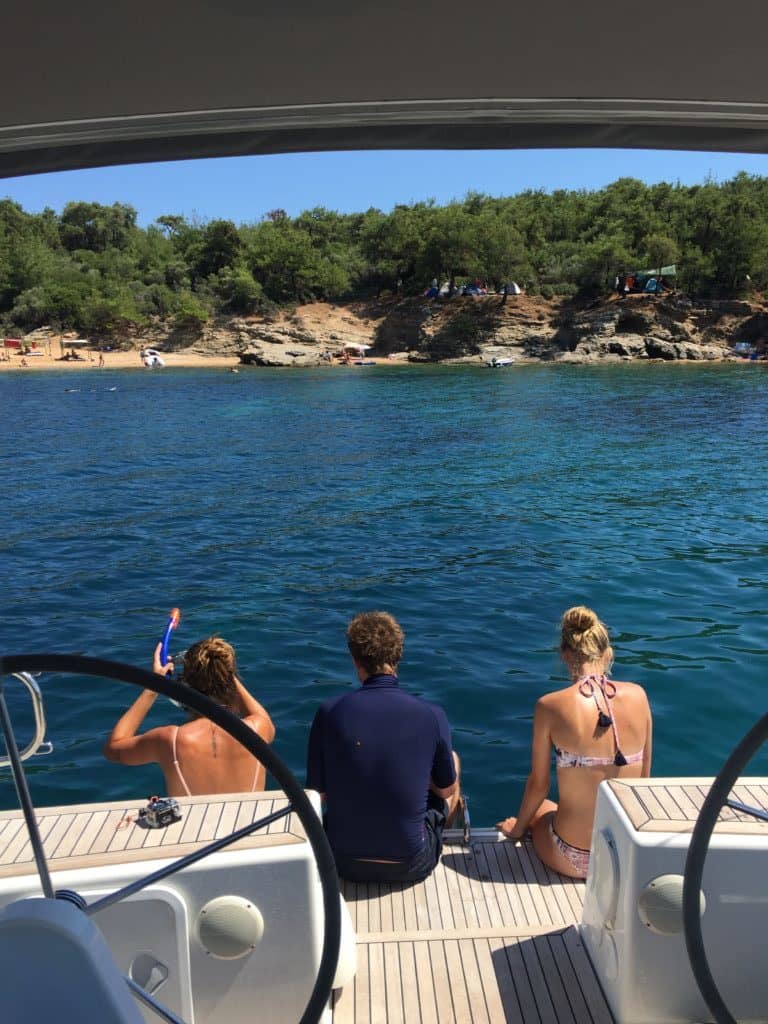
<point>258,763</point>
<point>176,763</point>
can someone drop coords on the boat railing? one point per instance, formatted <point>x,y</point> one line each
<point>38,744</point>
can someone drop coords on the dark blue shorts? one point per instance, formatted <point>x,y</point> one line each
<point>414,870</point>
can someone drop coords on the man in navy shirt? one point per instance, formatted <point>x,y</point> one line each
<point>382,761</point>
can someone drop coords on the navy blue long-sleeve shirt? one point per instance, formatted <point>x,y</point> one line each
<point>373,752</point>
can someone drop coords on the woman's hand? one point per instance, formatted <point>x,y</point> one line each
<point>509,828</point>
<point>157,666</point>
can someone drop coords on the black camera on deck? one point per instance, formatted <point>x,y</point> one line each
<point>160,812</point>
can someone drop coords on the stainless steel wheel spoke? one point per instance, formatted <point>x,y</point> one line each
<point>756,812</point>
<point>183,862</point>
<point>25,800</point>
<point>143,996</point>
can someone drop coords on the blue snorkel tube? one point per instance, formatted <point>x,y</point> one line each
<point>173,620</point>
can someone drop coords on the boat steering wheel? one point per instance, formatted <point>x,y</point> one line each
<point>716,799</point>
<point>297,801</point>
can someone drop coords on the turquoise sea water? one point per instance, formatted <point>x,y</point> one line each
<point>476,505</point>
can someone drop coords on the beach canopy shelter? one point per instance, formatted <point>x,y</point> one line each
<point>354,346</point>
<point>12,343</point>
<point>73,345</point>
<point>670,271</point>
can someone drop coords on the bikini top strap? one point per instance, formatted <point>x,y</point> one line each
<point>608,690</point>
<point>588,687</point>
<point>258,763</point>
<point>176,764</point>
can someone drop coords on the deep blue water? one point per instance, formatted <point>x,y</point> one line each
<point>475,505</point>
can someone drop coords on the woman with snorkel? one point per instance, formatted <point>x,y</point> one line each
<point>197,758</point>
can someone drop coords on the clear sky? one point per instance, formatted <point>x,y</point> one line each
<point>243,189</point>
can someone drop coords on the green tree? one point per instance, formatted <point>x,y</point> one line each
<point>96,227</point>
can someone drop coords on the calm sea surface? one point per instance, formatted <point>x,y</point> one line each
<point>475,505</point>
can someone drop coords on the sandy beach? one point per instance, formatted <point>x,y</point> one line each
<point>112,361</point>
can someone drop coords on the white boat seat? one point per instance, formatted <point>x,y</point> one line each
<point>57,966</point>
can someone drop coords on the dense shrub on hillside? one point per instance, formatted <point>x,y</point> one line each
<point>92,268</point>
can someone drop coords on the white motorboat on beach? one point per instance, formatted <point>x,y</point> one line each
<point>136,923</point>
<point>151,358</point>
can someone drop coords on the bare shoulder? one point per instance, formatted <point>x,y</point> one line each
<point>160,734</point>
<point>632,690</point>
<point>262,726</point>
<point>550,702</point>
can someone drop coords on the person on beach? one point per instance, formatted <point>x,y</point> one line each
<point>599,728</point>
<point>382,761</point>
<point>198,757</point>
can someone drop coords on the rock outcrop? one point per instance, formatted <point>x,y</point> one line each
<point>478,328</point>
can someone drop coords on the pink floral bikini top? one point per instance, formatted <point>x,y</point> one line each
<point>590,686</point>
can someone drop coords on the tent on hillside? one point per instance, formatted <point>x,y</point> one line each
<point>645,280</point>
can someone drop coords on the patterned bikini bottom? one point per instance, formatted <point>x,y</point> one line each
<point>576,857</point>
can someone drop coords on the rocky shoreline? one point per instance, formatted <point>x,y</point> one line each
<point>520,329</point>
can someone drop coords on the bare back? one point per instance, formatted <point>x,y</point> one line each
<point>209,760</point>
<point>573,728</point>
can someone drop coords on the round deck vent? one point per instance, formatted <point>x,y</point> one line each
<point>660,904</point>
<point>229,927</point>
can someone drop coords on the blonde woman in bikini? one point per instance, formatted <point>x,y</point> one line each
<point>599,729</point>
<point>198,757</point>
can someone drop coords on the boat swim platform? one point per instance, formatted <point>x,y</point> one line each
<point>490,937</point>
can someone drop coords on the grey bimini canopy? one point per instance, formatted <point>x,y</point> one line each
<point>93,82</point>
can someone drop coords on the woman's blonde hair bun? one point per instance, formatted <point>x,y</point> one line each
<point>582,632</point>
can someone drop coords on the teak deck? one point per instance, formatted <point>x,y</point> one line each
<point>489,937</point>
<point>93,835</point>
<point>672,805</point>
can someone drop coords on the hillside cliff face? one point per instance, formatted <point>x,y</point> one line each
<point>638,327</point>
<point>520,328</point>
